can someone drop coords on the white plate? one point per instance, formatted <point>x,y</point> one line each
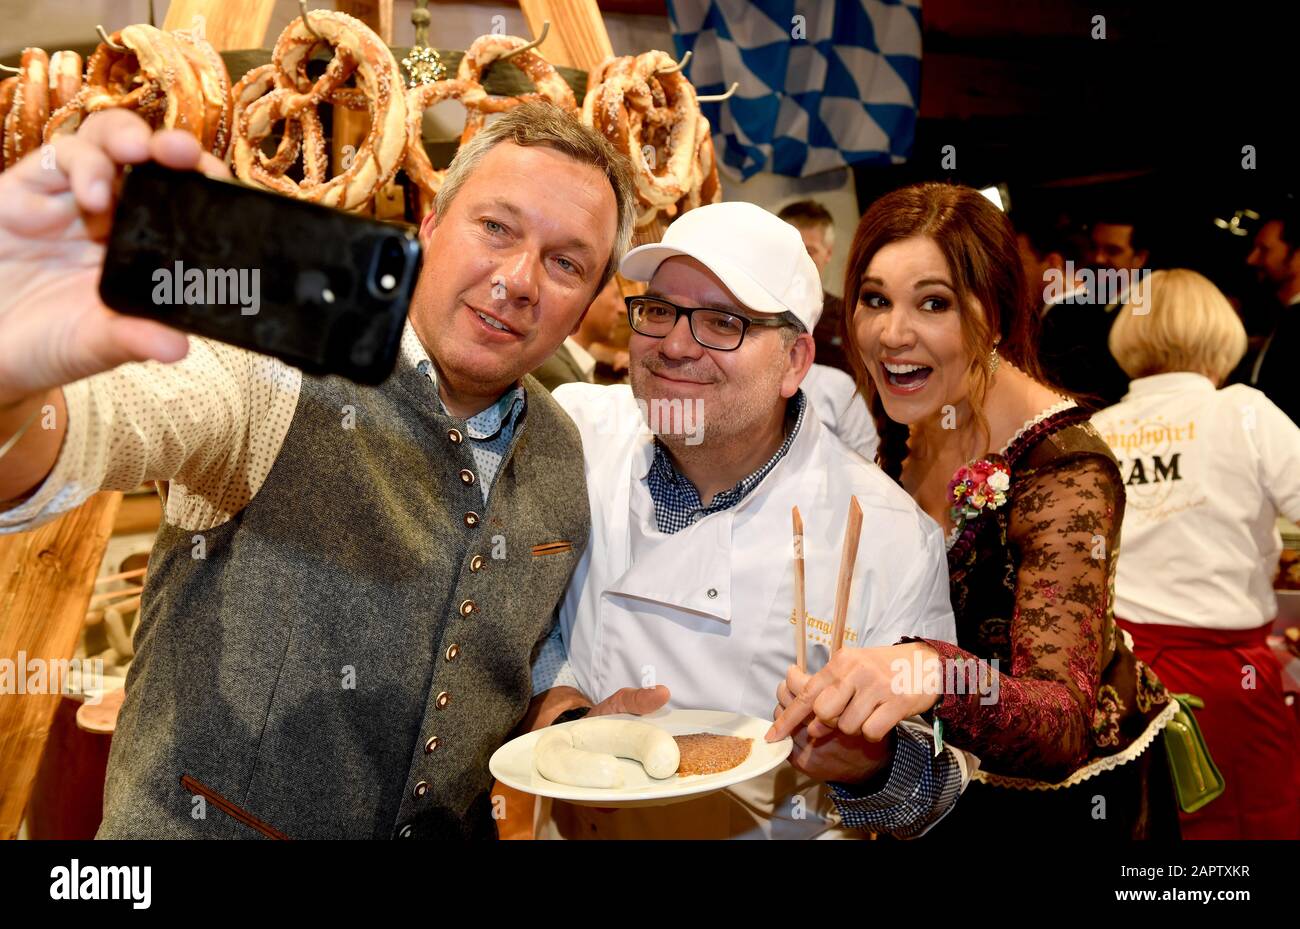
<point>512,763</point>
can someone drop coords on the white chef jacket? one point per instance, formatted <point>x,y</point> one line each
<point>842,409</point>
<point>708,611</point>
<point>1206,473</point>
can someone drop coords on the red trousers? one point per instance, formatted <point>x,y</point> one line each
<point>1252,735</point>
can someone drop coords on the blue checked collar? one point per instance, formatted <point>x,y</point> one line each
<point>676,500</point>
<point>482,426</point>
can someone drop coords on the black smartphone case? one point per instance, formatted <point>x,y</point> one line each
<point>187,250</point>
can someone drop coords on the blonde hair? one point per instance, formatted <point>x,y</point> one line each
<point>1181,323</point>
<point>542,123</point>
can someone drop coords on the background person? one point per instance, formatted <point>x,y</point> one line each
<point>1207,472</point>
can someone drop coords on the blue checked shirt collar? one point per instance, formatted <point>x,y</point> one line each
<point>490,431</point>
<point>677,503</point>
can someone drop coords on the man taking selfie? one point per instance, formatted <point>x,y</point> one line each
<point>351,582</point>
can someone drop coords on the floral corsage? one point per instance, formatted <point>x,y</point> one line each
<point>979,486</point>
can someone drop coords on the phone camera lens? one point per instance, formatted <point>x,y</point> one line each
<point>390,266</point>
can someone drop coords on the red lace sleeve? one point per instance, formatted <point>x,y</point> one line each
<point>1063,530</point>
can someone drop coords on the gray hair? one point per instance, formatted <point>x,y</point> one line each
<point>792,329</point>
<point>542,123</point>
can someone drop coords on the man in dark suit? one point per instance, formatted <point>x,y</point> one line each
<point>1073,347</point>
<point>1276,260</point>
<point>818,232</point>
<point>590,354</point>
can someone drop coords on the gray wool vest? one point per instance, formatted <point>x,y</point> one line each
<point>355,643</point>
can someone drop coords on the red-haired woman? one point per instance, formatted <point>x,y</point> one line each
<point>941,333</point>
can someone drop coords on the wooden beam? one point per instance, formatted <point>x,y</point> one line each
<point>577,38</point>
<point>227,24</point>
<point>46,578</point>
<point>377,14</point>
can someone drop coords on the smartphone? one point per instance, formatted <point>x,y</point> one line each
<point>324,290</point>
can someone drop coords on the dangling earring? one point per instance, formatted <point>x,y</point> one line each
<point>994,358</point>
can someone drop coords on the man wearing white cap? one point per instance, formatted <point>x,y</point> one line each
<point>688,580</point>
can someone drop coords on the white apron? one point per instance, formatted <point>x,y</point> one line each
<point>708,611</point>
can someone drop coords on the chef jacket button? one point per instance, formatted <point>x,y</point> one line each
<point>432,744</point>
<point>471,519</point>
<point>455,436</point>
<point>713,593</point>
<point>452,651</point>
<point>406,832</point>
<point>467,476</point>
<point>476,563</point>
<point>467,607</point>
<point>442,700</point>
<point>421,789</point>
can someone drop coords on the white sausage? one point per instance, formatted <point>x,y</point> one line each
<point>627,738</point>
<point>557,760</point>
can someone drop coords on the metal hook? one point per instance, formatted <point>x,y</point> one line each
<point>11,69</point>
<point>420,20</point>
<point>546,27</point>
<point>677,67</point>
<point>715,98</point>
<point>109,42</point>
<point>302,8</point>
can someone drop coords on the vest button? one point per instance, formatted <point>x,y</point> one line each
<point>467,476</point>
<point>442,700</point>
<point>455,436</point>
<point>476,563</point>
<point>467,607</point>
<point>452,651</point>
<point>406,832</point>
<point>471,519</point>
<point>421,789</point>
<point>430,745</point>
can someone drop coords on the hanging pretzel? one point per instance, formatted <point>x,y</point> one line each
<point>488,48</point>
<point>254,85</point>
<point>148,73</point>
<point>651,115</point>
<point>357,50</point>
<point>29,108</point>
<point>704,173</point>
<point>65,78</point>
<point>214,86</point>
<point>468,89</point>
<point>416,162</point>
<point>7,89</point>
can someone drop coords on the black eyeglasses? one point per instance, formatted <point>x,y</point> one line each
<point>715,329</point>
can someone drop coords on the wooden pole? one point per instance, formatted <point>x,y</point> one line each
<point>577,39</point>
<point>46,578</point>
<point>227,24</point>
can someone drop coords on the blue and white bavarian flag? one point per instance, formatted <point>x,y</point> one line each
<point>823,83</point>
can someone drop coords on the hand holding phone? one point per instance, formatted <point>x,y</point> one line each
<point>55,210</point>
<point>323,290</point>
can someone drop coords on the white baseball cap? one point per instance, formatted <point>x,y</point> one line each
<point>761,259</point>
